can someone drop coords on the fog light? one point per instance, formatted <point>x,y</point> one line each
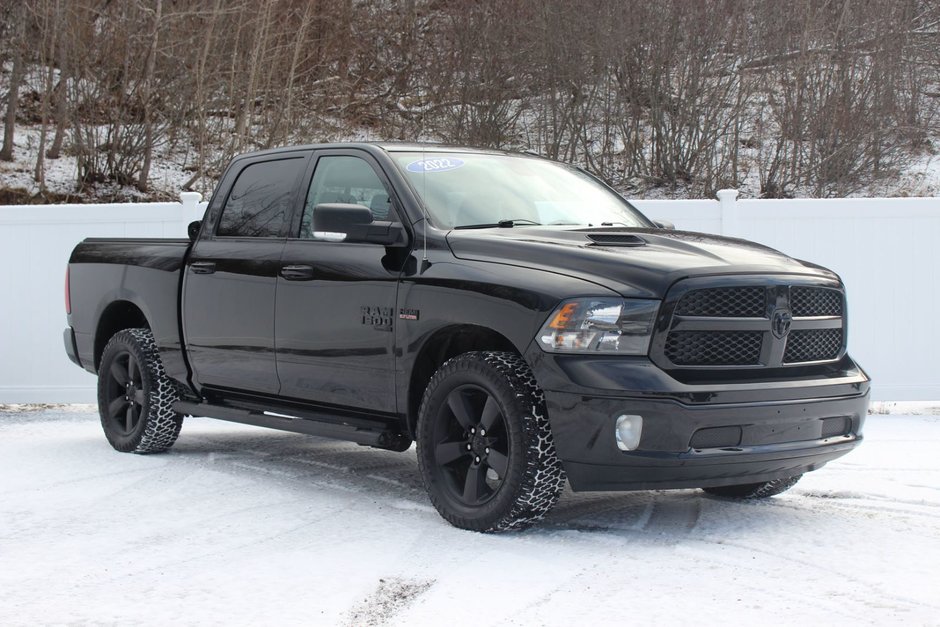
<point>628,430</point>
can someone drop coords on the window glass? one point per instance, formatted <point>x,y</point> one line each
<point>340,179</point>
<point>482,189</point>
<point>259,203</point>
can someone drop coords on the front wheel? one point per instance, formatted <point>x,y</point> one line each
<point>751,491</point>
<point>135,397</point>
<point>485,448</point>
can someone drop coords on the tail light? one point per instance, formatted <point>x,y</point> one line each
<point>68,297</point>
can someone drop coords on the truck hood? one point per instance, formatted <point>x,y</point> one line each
<point>639,263</point>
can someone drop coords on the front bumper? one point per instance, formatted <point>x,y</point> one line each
<point>765,441</point>
<point>696,435</point>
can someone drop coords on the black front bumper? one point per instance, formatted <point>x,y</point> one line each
<point>697,435</point>
<point>773,440</point>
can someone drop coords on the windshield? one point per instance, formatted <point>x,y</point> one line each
<point>464,190</point>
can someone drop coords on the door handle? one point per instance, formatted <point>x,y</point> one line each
<point>297,273</point>
<point>202,267</point>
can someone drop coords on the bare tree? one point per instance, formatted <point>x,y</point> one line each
<point>48,13</point>
<point>17,42</point>
<point>809,96</point>
<point>147,98</point>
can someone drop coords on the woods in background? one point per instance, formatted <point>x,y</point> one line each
<point>812,96</point>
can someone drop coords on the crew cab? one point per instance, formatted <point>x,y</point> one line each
<point>513,316</point>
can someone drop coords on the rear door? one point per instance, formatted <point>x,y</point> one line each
<point>230,281</point>
<point>336,312</point>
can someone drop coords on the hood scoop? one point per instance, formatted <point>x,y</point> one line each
<point>615,239</point>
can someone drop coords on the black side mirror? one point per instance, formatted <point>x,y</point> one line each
<point>193,229</point>
<point>664,224</point>
<point>340,222</point>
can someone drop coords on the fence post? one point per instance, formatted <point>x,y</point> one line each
<point>189,207</point>
<point>729,211</point>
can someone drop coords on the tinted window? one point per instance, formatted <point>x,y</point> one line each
<point>345,180</point>
<point>259,202</point>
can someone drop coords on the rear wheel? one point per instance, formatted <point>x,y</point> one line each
<point>485,447</point>
<point>135,397</point>
<point>750,491</point>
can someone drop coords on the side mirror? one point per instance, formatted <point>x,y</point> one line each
<point>193,229</point>
<point>340,222</point>
<point>664,224</point>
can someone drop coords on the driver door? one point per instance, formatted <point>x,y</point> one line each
<point>335,316</point>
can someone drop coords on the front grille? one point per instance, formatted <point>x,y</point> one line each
<point>734,302</point>
<point>813,345</point>
<point>815,301</point>
<point>749,324</point>
<point>713,348</point>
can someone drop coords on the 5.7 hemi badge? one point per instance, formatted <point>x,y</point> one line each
<point>408,314</point>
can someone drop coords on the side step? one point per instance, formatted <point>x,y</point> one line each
<point>386,438</point>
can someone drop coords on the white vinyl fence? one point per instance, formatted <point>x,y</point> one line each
<point>884,249</point>
<point>35,244</point>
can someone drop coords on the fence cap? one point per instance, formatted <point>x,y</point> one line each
<point>727,195</point>
<point>190,198</point>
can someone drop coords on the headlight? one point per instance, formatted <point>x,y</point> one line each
<point>600,325</point>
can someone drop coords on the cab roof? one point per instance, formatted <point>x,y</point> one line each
<point>389,147</point>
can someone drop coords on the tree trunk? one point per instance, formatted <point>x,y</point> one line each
<point>201,105</point>
<point>50,41</point>
<point>61,119</point>
<point>16,77</point>
<point>147,97</point>
<point>60,93</point>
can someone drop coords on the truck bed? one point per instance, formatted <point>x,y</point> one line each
<point>108,275</point>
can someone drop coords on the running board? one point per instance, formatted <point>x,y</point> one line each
<point>386,438</point>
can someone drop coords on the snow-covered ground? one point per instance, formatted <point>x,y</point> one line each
<point>239,525</point>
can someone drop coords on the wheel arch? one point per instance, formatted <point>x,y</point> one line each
<point>117,316</point>
<point>444,344</point>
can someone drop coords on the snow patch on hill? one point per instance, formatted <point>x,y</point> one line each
<point>173,167</point>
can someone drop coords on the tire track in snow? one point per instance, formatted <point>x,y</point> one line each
<point>659,513</point>
<point>856,589</point>
<point>675,514</point>
<point>310,461</point>
<point>332,465</point>
<point>841,496</point>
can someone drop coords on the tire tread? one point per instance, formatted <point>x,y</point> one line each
<point>544,477</point>
<point>162,424</point>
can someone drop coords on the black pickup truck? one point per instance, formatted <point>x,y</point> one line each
<point>516,318</point>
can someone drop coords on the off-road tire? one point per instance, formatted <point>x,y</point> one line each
<point>534,478</point>
<point>753,491</point>
<point>157,425</point>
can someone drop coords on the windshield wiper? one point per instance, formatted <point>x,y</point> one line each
<point>502,224</point>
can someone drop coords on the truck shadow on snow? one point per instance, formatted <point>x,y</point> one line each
<point>393,479</point>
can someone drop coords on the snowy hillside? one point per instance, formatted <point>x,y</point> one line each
<point>778,99</point>
<point>172,168</point>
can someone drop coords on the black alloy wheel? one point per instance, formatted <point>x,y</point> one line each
<point>471,445</point>
<point>485,446</point>
<point>125,395</point>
